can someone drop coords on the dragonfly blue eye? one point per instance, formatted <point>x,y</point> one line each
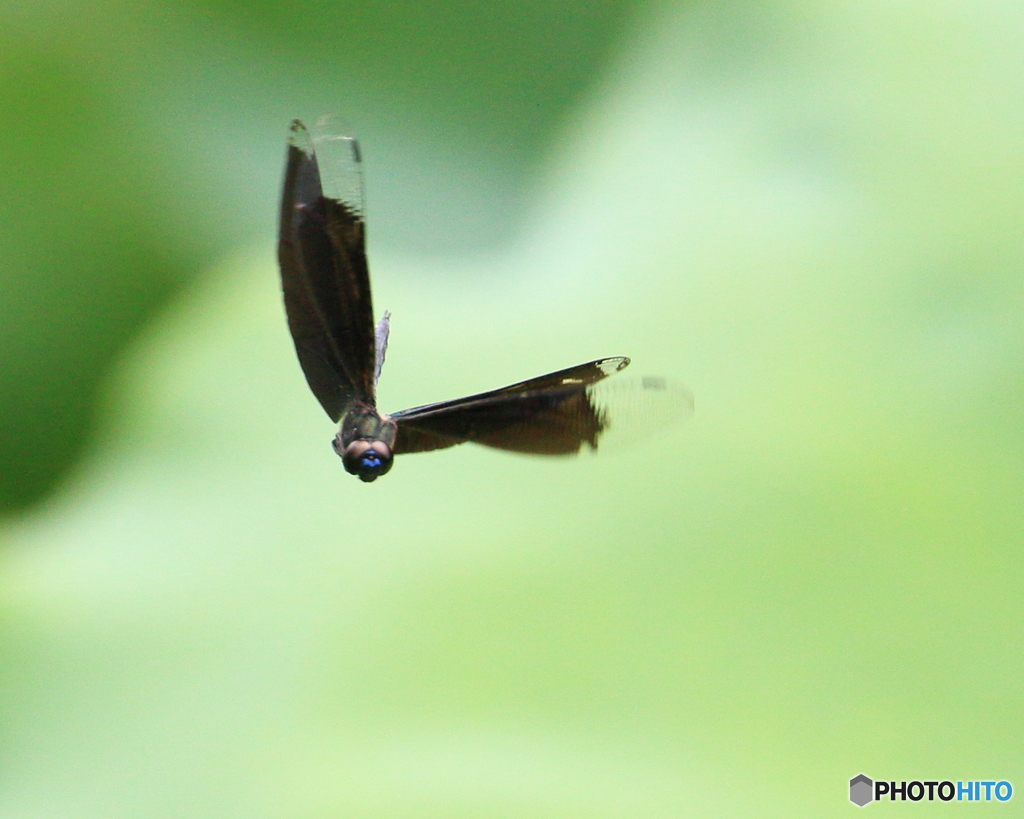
<point>369,460</point>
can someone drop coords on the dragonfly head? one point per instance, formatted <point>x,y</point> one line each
<point>367,459</point>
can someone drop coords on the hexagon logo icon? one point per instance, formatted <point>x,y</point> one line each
<point>862,790</point>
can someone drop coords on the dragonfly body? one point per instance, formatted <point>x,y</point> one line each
<point>326,287</point>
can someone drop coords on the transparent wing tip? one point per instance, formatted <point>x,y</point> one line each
<point>335,126</point>
<point>632,409</point>
<point>334,131</point>
<point>340,159</point>
<point>612,365</point>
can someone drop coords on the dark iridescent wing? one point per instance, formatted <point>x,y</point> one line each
<point>555,414</point>
<point>324,276</point>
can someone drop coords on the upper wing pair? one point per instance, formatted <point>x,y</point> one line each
<point>322,252</point>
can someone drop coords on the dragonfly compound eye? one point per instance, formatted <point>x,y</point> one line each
<point>367,459</point>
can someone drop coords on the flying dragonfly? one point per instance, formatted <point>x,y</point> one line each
<point>326,283</point>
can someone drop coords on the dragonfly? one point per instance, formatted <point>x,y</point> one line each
<point>326,284</point>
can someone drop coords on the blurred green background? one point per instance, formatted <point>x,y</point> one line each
<point>810,213</point>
